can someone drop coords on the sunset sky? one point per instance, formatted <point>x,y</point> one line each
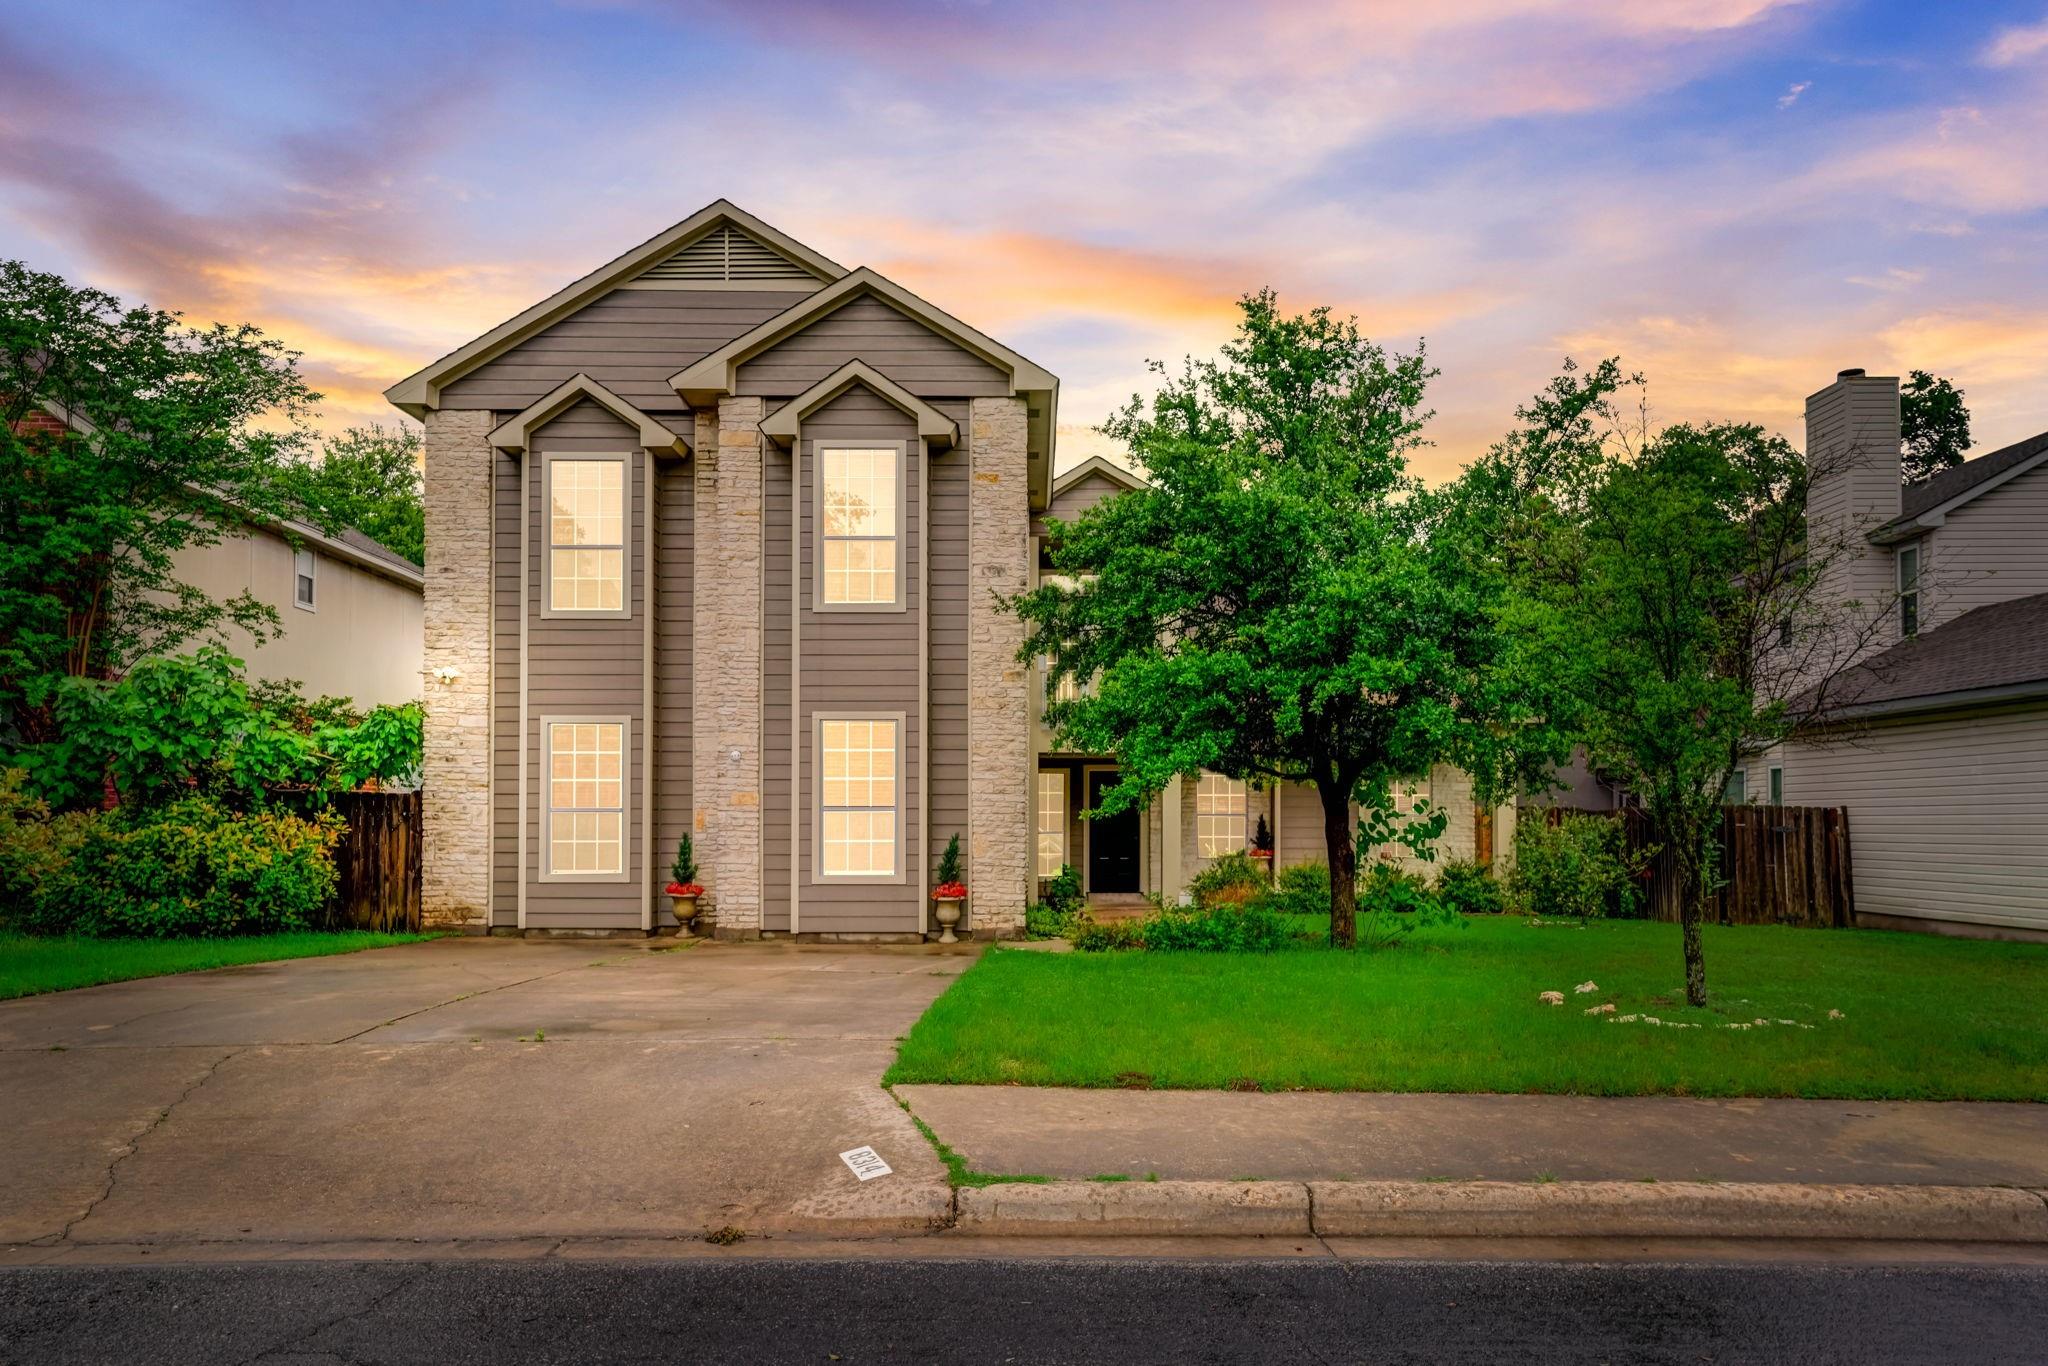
<point>1739,197</point>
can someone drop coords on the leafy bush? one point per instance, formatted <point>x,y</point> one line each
<point>36,848</point>
<point>1579,868</point>
<point>1251,928</point>
<point>1389,888</point>
<point>1301,889</point>
<point>189,868</point>
<point>1095,936</point>
<point>1061,911</point>
<point>1470,888</point>
<point>1231,880</point>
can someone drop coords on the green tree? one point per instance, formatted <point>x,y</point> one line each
<point>126,436</point>
<point>1273,606</point>
<point>1670,587</point>
<point>368,478</point>
<point>1934,425</point>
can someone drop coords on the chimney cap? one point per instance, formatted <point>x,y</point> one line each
<point>1855,372</point>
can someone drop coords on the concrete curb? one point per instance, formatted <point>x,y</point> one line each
<point>1495,1209</point>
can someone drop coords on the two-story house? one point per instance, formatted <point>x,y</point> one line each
<point>1939,743</point>
<point>716,542</point>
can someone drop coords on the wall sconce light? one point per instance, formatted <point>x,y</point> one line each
<point>447,674</point>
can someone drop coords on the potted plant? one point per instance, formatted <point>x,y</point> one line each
<point>1262,841</point>
<point>683,888</point>
<point>950,892</point>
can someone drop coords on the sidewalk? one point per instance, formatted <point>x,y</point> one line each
<point>1304,1136</point>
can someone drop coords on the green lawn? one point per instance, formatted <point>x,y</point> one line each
<point>29,966</point>
<point>1456,1009</point>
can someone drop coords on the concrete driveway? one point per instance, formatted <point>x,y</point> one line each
<point>467,1090</point>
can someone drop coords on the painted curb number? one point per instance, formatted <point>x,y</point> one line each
<point>866,1163</point>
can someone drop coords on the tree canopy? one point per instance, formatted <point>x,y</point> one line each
<point>1934,427</point>
<point>368,478</point>
<point>1274,606</point>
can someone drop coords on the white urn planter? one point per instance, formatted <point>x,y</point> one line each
<point>685,906</point>
<point>946,910</point>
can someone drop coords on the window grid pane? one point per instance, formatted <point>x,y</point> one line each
<point>587,535</point>
<point>858,531</point>
<point>1052,822</point>
<point>1219,816</point>
<point>586,797</point>
<point>857,791</point>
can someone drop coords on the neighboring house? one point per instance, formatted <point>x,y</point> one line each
<point>1159,849</point>
<point>349,608</point>
<point>1941,751</point>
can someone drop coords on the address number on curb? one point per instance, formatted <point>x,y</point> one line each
<point>866,1163</point>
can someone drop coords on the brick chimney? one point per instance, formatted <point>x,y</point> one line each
<point>1852,458</point>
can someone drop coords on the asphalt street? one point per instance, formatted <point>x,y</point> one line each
<point>1123,1311</point>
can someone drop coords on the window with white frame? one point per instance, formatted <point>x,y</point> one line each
<point>1065,688</point>
<point>1219,816</point>
<point>586,798</point>
<point>860,524</point>
<point>1052,821</point>
<point>1909,590</point>
<point>303,583</point>
<point>859,806</point>
<point>587,536</point>
<point>1777,781</point>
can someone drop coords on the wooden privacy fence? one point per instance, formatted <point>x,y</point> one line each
<point>1779,865</point>
<point>378,861</point>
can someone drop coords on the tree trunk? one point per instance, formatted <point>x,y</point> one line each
<point>1340,842</point>
<point>1691,902</point>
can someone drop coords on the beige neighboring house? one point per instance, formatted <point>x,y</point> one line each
<point>1942,757</point>
<point>715,540</point>
<point>351,609</point>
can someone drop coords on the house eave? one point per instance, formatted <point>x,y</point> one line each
<point>1954,700</point>
<point>933,427</point>
<point>1906,528</point>
<point>515,434</point>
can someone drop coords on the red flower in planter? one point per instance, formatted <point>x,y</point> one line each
<point>950,891</point>
<point>684,889</point>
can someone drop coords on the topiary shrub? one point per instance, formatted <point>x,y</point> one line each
<point>1470,888</point>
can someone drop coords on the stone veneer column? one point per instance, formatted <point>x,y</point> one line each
<point>999,832</point>
<point>726,749</point>
<point>455,774</point>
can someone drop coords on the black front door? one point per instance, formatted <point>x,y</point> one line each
<point>1112,842</point>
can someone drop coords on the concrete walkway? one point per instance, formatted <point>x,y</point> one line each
<point>1221,1136</point>
<point>468,1089</point>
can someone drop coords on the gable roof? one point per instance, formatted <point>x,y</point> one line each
<point>1994,653</point>
<point>1096,466</point>
<point>419,392</point>
<point>934,426</point>
<point>516,432</point>
<point>700,384</point>
<point>1925,505</point>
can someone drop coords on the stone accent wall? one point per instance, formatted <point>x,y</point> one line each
<point>999,832</point>
<point>455,883</point>
<point>726,752</point>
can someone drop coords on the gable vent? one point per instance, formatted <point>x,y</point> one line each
<point>726,254</point>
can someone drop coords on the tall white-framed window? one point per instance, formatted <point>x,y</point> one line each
<point>1065,688</point>
<point>1909,590</point>
<point>586,537</point>
<point>305,578</point>
<point>585,760</point>
<point>1219,816</point>
<point>1777,784</point>
<point>1052,821</point>
<point>859,806</point>
<point>860,501</point>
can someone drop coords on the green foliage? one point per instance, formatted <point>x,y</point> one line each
<point>1577,869</point>
<point>1470,888</point>
<point>1251,928</point>
<point>1097,936</point>
<point>684,869</point>
<point>177,437</point>
<point>1262,836</point>
<point>368,478</point>
<point>1381,821</point>
<point>181,724</point>
<point>949,861</point>
<point>1274,605</point>
<point>36,846</point>
<point>1392,889</point>
<point>1934,425</point>
<point>192,868</point>
<point>1063,909</point>
<point>1231,880</point>
<point>1301,889</point>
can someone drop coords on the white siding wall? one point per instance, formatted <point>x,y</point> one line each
<point>1948,815</point>
<point>1991,550</point>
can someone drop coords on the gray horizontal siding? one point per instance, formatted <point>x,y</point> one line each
<point>867,329</point>
<point>585,667</point>
<point>505,565</point>
<point>1991,550</point>
<point>777,509</point>
<point>631,341</point>
<point>948,641</point>
<point>860,662</point>
<point>674,625</point>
